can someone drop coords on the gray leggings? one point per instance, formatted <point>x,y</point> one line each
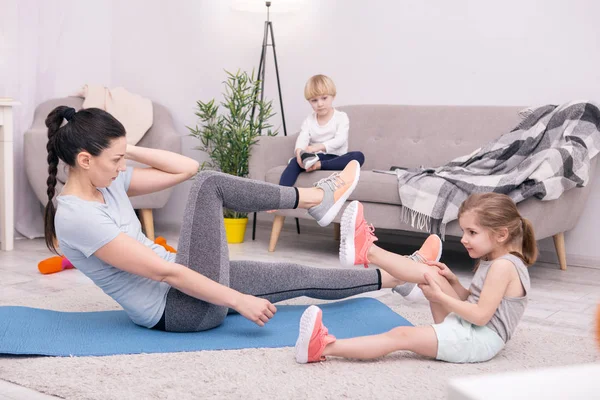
<point>203,248</point>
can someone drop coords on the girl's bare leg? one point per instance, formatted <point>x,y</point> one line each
<point>421,340</point>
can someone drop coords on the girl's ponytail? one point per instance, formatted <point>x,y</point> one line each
<point>530,251</point>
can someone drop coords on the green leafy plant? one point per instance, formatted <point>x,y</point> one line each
<point>227,137</point>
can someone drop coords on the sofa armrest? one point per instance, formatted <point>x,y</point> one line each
<point>269,152</point>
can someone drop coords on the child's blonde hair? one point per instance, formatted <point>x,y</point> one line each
<point>319,85</point>
<point>495,211</point>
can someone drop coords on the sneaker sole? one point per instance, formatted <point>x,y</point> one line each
<point>439,255</point>
<point>347,229</point>
<point>335,209</point>
<point>307,326</point>
<point>311,162</point>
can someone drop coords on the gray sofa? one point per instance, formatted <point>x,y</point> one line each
<point>411,136</point>
<point>162,135</point>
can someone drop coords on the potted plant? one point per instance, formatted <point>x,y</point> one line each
<point>228,136</point>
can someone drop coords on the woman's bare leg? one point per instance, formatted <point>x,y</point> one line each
<point>357,247</point>
<point>405,269</point>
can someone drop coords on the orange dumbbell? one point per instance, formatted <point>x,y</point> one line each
<point>54,264</point>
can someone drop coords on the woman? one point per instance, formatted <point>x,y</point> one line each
<point>97,230</point>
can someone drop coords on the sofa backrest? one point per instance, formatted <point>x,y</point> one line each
<point>153,138</point>
<point>411,136</point>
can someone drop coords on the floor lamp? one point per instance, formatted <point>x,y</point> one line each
<point>261,75</point>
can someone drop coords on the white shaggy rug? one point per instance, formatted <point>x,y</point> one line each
<point>271,373</point>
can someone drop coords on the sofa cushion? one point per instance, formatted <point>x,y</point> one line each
<point>373,187</point>
<point>410,136</point>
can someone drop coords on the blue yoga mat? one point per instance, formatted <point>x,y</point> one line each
<point>34,331</point>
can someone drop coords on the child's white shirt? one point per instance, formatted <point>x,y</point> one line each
<point>334,134</point>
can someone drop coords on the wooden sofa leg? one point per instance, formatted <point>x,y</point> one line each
<point>147,222</point>
<point>559,245</point>
<point>336,231</point>
<point>277,225</point>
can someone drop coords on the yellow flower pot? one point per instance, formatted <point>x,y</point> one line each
<point>235,228</point>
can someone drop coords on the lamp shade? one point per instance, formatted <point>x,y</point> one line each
<point>259,6</point>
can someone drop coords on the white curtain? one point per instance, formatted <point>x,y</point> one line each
<point>20,72</point>
<point>47,50</point>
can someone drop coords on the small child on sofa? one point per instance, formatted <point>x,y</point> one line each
<point>323,139</point>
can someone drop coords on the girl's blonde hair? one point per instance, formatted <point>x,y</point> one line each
<point>319,85</point>
<point>495,211</point>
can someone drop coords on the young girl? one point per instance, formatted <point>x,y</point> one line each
<point>469,325</point>
<point>193,290</point>
<point>323,139</point>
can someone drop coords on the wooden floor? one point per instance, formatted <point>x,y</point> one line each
<point>560,301</point>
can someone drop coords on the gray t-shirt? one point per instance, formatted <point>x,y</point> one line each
<point>82,227</point>
<point>511,309</point>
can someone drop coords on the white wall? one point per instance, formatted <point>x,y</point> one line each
<point>401,52</point>
<point>47,50</point>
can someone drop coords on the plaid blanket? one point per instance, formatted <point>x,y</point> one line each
<point>548,153</point>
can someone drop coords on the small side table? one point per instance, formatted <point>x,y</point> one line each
<point>7,183</point>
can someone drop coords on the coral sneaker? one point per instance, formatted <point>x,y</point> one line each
<point>356,236</point>
<point>337,188</point>
<point>431,250</point>
<point>313,337</point>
